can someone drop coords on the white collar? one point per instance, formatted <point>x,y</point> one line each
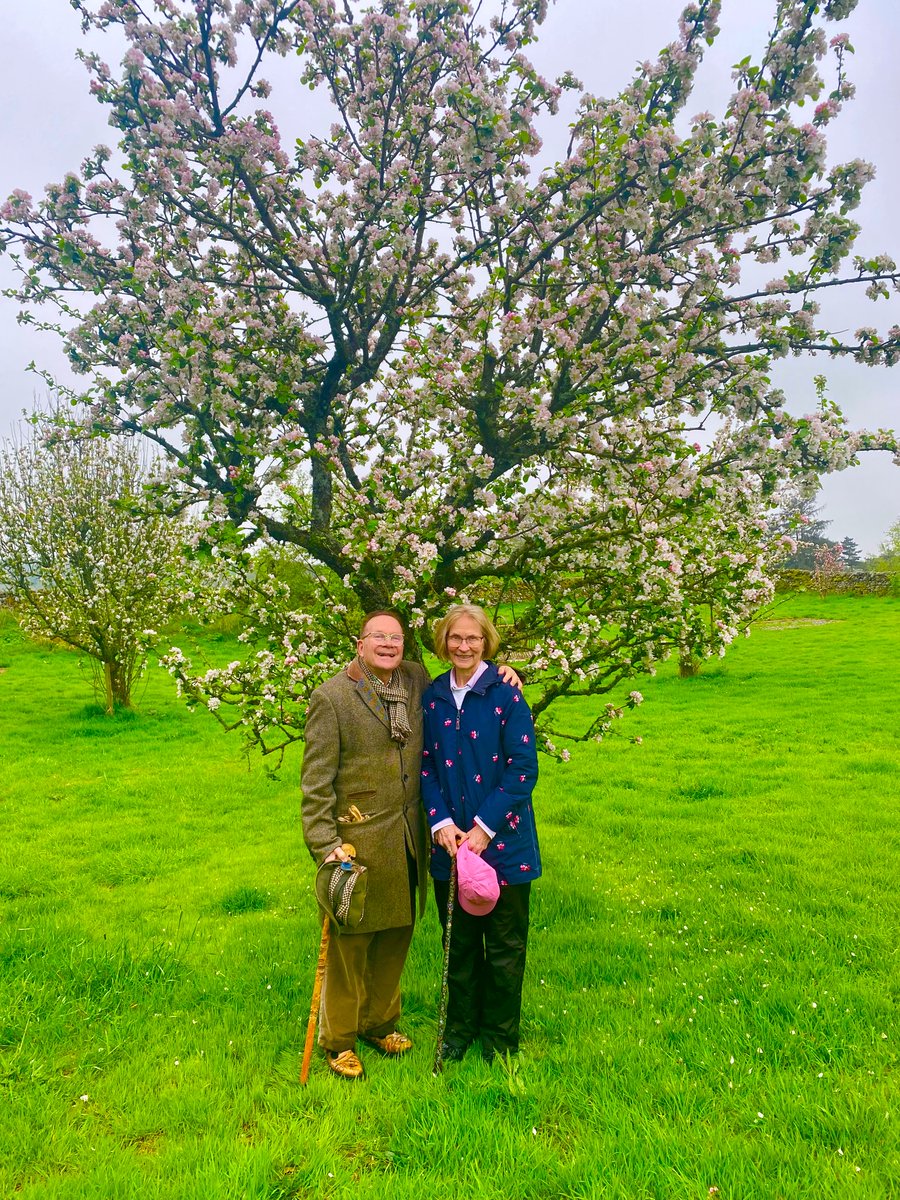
<point>473,678</point>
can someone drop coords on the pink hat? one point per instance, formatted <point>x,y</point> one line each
<point>479,888</point>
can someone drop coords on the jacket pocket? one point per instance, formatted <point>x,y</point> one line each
<point>362,802</point>
<point>378,839</point>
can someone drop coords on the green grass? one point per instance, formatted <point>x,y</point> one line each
<point>712,985</point>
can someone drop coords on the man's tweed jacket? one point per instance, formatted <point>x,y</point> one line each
<point>350,758</point>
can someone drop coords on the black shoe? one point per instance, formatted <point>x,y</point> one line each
<point>453,1051</point>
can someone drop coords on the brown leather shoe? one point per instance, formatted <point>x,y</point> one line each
<point>391,1043</point>
<point>344,1064</point>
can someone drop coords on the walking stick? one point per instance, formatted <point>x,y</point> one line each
<point>317,986</point>
<point>314,1006</point>
<point>445,986</point>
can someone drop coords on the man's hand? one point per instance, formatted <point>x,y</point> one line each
<point>508,675</point>
<point>478,840</point>
<point>338,854</point>
<point>449,837</point>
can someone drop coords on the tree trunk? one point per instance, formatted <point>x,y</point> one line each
<point>117,687</point>
<point>688,665</point>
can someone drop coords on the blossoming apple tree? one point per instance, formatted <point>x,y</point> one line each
<point>433,364</point>
<point>82,562</point>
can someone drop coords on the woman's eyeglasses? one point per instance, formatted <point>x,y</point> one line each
<point>455,640</point>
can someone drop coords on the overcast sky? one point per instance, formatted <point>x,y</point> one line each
<point>50,122</point>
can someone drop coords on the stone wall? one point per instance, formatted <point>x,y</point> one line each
<point>848,583</point>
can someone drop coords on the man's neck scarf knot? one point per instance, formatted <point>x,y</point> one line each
<point>395,698</point>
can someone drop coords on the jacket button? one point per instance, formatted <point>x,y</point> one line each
<point>405,778</point>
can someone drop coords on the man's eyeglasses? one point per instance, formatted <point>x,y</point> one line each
<point>383,638</point>
<point>455,640</point>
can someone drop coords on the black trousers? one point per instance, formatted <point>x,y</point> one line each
<point>487,966</point>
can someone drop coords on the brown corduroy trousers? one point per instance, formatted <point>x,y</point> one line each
<point>361,992</point>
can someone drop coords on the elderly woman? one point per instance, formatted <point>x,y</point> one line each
<point>479,768</point>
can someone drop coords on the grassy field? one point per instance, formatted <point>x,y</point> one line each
<point>712,992</point>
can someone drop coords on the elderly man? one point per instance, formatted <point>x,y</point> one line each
<point>363,749</point>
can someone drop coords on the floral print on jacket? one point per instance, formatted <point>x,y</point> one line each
<point>482,762</point>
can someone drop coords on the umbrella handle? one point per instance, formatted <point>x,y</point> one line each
<point>316,998</point>
<point>445,975</point>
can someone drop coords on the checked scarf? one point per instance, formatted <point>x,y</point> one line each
<point>395,698</point>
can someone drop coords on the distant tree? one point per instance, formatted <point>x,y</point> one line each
<point>852,557</point>
<point>798,525</point>
<point>79,557</point>
<point>829,565</point>
<point>888,556</point>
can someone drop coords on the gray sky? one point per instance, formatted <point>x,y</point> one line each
<point>50,122</point>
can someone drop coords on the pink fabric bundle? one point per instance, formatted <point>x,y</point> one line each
<point>479,887</point>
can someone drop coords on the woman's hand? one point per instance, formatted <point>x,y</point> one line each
<point>478,840</point>
<point>508,675</point>
<point>448,838</point>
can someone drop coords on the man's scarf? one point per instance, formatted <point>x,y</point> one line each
<point>395,698</point>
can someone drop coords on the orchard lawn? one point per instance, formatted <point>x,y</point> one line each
<point>711,997</point>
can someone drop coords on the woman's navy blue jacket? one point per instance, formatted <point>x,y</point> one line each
<point>481,761</point>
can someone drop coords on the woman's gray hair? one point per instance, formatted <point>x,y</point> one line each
<point>485,624</point>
